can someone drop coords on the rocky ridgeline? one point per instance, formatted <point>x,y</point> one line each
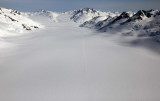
<point>141,23</point>
<point>15,21</point>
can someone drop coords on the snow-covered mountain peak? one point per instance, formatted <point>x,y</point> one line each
<point>86,14</point>
<point>43,12</point>
<point>85,11</point>
<point>126,14</point>
<point>143,14</point>
<point>13,21</point>
<point>12,11</point>
<point>50,14</point>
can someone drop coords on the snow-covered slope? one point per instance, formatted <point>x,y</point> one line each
<point>51,15</point>
<point>142,23</point>
<point>13,22</point>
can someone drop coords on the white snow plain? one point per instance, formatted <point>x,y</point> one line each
<point>64,62</point>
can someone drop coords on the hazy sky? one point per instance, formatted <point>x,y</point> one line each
<point>65,5</point>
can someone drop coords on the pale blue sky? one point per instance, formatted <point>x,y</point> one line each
<point>66,5</point>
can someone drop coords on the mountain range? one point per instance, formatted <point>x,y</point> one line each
<point>141,24</point>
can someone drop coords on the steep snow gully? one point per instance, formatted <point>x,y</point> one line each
<point>65,62</point>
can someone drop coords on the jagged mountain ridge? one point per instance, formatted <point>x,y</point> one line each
<point>143,23</point>
<point>86,14</point>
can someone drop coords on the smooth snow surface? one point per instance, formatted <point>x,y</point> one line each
<point>64,62</point>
